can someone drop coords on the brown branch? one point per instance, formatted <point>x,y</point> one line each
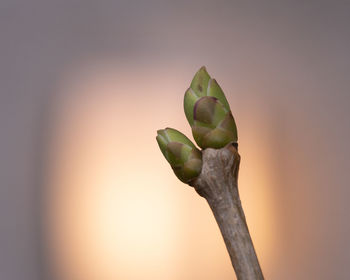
<point>217,183</point>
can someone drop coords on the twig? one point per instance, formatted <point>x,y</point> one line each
<point>217,183</point>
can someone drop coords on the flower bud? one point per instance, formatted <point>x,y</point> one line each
<point>185,159</point>
<point>208,112</point>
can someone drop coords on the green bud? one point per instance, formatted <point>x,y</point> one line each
<point>202,85</point>
<point>214,126</point>
<point>185,159</point>
<point>208,112</point>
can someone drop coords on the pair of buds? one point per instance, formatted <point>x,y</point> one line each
<point>212,123</point>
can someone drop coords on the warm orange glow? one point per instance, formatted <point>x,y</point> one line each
<point>116,210</point>
<point>255,187</point>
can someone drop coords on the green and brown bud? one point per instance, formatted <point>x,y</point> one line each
<point>185,159</point>
<point>208,112</point>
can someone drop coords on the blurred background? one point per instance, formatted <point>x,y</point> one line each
<point>85,193</point>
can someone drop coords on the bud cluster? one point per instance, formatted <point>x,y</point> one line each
<point>212,123</point>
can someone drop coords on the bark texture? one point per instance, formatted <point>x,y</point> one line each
<point>217,183</point>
